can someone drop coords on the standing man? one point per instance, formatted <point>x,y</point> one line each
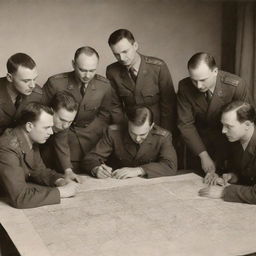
<point>138,149</point>
<point>200,99</point>
<point>18,88</point>
<point>140,80</point>
<point>56,152</point>
<point>238,119</point>
<point>23,175</point>
<point>92,92</point>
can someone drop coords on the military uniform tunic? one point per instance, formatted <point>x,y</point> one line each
<point>23,175</point>
<point>153,88</point>
<point>155,155</point>
<point>199,122</point>
<point>92,117</point>
<point>8,112</point>
<point>243,164</point>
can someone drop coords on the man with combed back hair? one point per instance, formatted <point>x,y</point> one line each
<point>138,148</point>
<point>93,93</point>
<point>139,80</point>
<point>23,175</point>
<point>201,97</point>
<point>18,88</point>
<point>238,183</point>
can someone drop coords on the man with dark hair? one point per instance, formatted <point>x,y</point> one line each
<point>18,88</point>
<point>55,152</point>
<point>140,80</point>
<point>23,175</point>
<point>138,149</point>
<point>238,120</point>
<point>93,93</point>
<point>200,99</point>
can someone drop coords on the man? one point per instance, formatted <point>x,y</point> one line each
<point>139,149</point>
<point>23,175</point>
<point>92,92</point>
<point>200,99</point>
<point>238,125</point>
<point>17,88</point>
<point>140,80</point>
<point>55,152</point>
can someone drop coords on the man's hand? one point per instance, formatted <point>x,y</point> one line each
<point>206,162</point>
<point>61,182</point>
<point>214,192</point>
<point>128,172</point>
<point>69,190</point>
<point>211,178</point>
<point>69,174</point>
<point>102,172</point>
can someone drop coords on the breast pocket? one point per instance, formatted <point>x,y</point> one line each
<point>150,95</point>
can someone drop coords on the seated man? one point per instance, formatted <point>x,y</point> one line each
<point>56,152</point>
<point>139,149</point>
<point>23,175</point>
<point>238,125</point>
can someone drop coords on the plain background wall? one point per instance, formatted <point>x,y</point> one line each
<point>51,30</point>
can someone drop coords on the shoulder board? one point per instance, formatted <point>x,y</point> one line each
<point>60,76</point>
<point>101,78</point>
<point>231,79</point>
<point>153,60</point>
<point>38,89</point>
<point>114,127</point>
<point>160,131</point>
<point>14,142</point>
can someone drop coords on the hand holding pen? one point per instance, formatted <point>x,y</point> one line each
<point>103,171</point>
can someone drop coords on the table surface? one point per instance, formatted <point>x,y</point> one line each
<point>158,217</point>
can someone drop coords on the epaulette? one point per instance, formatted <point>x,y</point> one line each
<point>38,89</point>
<point>14,142</point>
<point>153,60</point>
<point>160,131</point>
<point>101,78</point>
<point>61,75</point>
<point>114,127</point>
<point>231,79</point>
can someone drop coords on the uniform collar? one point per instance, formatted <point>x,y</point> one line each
<point>24,141</point>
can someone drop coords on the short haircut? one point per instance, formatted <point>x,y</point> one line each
<point>32,112</point>
<point>244,111</point>
<point>65,100</point>
<point>87,50</point>
<point>119,34</point>
<point>199,57</point>
<point>139,115</point>
<point>19,59</point>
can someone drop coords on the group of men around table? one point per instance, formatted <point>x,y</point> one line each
<point>123,126</point>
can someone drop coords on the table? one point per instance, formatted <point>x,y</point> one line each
<point>156,217</point>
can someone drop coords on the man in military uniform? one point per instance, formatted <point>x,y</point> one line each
<point>238,126</point>
<point>139,149</point>
<point>93,93</point>
<point>200,100</point>
<point>55,152</point>
<point>23,175</point>
<point>140,80</point>
<point>18,88</point>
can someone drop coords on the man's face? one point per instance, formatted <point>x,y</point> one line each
<point>203,78</point>
<point>62,119</point>
<point>85,67</point>
<point>232,128</point>
<point>125,52</point>
<point>23,80</point>
<point>41,130</point>
<point>139,133</point>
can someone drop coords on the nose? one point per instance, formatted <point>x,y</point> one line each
<point>122,56</point>
<point>138,138</point>
<point>50,131</point>
<point>224,130</point>
<point>65,125</point>
<point>32,84</point>
<point>199,84</point>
